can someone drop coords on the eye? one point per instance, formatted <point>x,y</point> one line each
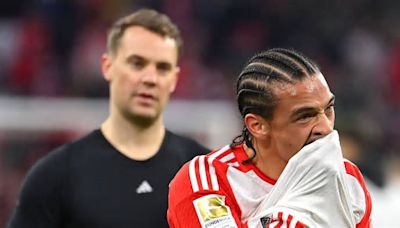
<point>164,67</point>
<point>330,109</point>
<point>305,117</point>
<point>137,64</point>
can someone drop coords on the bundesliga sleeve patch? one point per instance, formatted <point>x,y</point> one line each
<point>212,212</point>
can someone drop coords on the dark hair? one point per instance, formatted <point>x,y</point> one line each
<point>255,84</point>
<point>147,18</point>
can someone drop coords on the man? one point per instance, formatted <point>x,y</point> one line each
<point>286,169</point>
<point>118,175</point>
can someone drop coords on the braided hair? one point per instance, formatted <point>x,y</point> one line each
<point>254,86</point>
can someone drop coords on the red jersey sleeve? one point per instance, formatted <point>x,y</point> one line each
<point>352,170</point>
<point>194,206</point>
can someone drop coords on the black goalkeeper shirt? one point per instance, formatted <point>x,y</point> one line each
<point>88,183</point>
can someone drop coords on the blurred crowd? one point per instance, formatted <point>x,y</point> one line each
<point>52,48</point>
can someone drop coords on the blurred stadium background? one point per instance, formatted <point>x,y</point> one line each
<point>52,91</point>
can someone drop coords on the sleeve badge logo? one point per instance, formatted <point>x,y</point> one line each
<point>212,211</point>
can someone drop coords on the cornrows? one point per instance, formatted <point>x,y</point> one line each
<point>254,86</point>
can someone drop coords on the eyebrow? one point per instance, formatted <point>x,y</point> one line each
<point>303,110</point>
<point>141,58</point>
<point>134,57</point>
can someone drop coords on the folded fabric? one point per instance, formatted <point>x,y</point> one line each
<point>311,189</point>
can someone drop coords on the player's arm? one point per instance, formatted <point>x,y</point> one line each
<point>203,208</point>
<point>38,204</point>
<point>361,202</point>
<point>207,210</point>
<point>361,205</point>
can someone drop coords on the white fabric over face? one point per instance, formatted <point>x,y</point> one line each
<point>312,188</point>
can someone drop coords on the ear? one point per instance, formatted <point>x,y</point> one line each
<point>257,125</point>
<point>175,79</point>
<point>106,62</point>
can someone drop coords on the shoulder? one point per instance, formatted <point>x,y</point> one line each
<point>180,186</point>
<point>200,174</point>
<point>56,160</point>
<point>355,180</point>
<point>197,192</point>
<point>183,144</point>
<point>45,187</point>
<point>87,142</point>
<point>359,194</point>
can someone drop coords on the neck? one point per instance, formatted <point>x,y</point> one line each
<point>267,162</point>
<point>132,139</point>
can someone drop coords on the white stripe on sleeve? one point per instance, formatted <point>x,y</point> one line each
<point>203,174</point>
<point>192,175</point>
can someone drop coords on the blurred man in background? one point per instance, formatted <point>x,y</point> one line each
<point>287,167</point>
<point>118,175</point>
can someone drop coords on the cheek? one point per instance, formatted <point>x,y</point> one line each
<point>294,141</point>
<point>290,146</point>
<point>120,85</point>
<point>333,119</point>
<point>168,86</point>
<point>128,80</point>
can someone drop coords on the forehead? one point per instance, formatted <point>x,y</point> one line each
<point>139,41</point>
<point>310,92</point>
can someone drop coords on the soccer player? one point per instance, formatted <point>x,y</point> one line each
<point>118,175</point>
<point>286,169</point>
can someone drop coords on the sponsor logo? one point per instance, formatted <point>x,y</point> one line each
<point>144,187</point>
<point>212,211</point>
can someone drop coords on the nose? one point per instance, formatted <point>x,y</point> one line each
<point>150,75</point>
<point>323,127</point>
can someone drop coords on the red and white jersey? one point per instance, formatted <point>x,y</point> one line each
<point>218,190</point>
